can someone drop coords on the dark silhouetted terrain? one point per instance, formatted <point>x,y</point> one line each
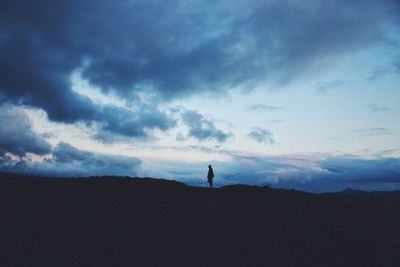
<point>115,221</point>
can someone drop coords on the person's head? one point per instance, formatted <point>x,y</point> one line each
<point>209,166</point>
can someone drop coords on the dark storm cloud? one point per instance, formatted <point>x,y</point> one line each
<point>300,33</point>
<point>39,51</point>
<point>120,123</point>
<point>16,133</point>
<point>67,160</point>
<point>40,46</point>
<point>172,48</point>
<point>201,128</point>
<point>261,135</point>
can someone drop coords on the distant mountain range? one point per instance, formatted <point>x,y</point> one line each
<point>123,221</point>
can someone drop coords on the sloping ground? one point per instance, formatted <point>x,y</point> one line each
<point>108,221</point>
<point>389,200</point>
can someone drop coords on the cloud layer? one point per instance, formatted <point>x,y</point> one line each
<point>301,172</point>
<point>17,136</point>
<point>19,143</point>
<point>69,161</point>
<point>171,48</point>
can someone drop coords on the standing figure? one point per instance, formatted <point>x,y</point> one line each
<point>210,176</point>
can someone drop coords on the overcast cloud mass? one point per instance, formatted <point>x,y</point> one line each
<point>150,55</point>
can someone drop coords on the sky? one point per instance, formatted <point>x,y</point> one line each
<point>289,94</point>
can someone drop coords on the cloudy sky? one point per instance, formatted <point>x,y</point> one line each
<point>296,94</point>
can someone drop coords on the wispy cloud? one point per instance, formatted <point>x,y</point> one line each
<point>378,73</point>
<point>375,108</point>
<point>323,87</point>
<point>272,122</point>
<point>387,152</point>
<point>381,71</point>
<point>374,131</point>
<point>261,135</point>
<point>262,107</point>
<point>202,128</point>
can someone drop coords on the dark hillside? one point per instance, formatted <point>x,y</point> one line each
<point>117,221</point>
<point>389,200</point>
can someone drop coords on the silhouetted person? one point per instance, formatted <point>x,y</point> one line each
<point>210,176</point>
